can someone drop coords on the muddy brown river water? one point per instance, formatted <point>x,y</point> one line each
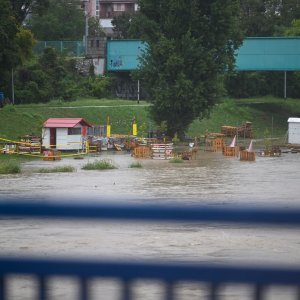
<point>210,180</point>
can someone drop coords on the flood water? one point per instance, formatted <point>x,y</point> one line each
<point>212,179</point>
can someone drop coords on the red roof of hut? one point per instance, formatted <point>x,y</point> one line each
<point>65,122</point>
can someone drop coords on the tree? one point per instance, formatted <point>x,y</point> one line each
<point>8,31</point>
<point>22,8</point>
<point>95,28</point>
<point>267,17</point>
<point>64,20</point>
<point>191,44</point>
<point>294,30</point>
<point>15,43</point>
<point>122,26</point>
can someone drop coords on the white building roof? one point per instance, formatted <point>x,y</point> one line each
<point>294,120</point>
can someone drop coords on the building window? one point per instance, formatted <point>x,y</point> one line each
<point>97,43</point>
<point>97,8</point>
<point>92,43</point>
<point>74,131</point>
<point>119,7</point>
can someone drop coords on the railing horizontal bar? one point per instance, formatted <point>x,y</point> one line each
<point>274,216</point>
<point>167,271</point>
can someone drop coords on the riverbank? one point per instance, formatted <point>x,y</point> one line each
<point>268,116</point>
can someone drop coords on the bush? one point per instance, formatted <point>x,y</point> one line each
<point>57,169</point>
<point>99,165</point>
<point>10,167</point>
<point>98,86</point>
<point>176,160</point>
<point>136,165</point>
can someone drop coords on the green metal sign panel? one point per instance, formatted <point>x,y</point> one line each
<point>255,54</point>
<point>269,54</point>
<point>123,55</point>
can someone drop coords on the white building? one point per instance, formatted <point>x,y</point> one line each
<point>294,131</point>
<point>64,133</point>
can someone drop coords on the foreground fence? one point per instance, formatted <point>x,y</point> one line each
<point>169,273</point>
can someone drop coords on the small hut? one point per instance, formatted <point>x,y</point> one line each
<point>294,131</point>
<point>64,133</point>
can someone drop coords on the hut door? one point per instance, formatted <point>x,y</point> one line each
<point>52,137</point>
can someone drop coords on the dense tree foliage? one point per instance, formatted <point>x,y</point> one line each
<point>268,17</point>
<point>54,77</point>
<point>64,20</point>
<point>95,28</point>
<point>9,29</point>
<point>22,8</point>
<point>122,26</point>
<point>191,44</point>
<point>261,18</point>
<point>15,44</point>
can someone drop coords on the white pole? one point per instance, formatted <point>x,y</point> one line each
<point>285,85</point>
<point>138,93</point>
<point>12,86</point>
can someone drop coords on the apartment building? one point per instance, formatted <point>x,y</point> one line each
<point>106,10</point>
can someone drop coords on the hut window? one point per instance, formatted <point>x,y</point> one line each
<point>74,131</point>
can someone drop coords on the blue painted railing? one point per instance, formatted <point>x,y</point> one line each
<point>169,273</point>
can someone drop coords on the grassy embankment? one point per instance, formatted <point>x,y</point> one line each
<point>265,114</point>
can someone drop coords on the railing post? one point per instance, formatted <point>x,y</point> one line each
<point>84,290</point>
<point>2,288</point>
<point>258,292</point>
<point>126,293</point>
<point>213,291</point>
<point>169,291</point>
<point>42,288</point>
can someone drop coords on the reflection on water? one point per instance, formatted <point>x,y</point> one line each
<point>210,180</point>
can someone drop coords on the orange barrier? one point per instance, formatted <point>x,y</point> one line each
<point>231,151</point>
<point>247,155</point>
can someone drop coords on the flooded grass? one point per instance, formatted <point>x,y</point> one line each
<point>102,164</point>
<point>10,167</point>
<point>57,169</point>
<point>176,160</point>
<point>136,165</point>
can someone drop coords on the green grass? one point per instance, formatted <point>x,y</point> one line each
<point>136,165</point>
<point>57,169</point>
<point>102,164</point>
<point>265,113</point>
<point>19,120</point>
<point>10,166</point>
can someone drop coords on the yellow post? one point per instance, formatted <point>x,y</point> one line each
<point>134,127</point>
<point>87,147</point>
<point>108,127</point>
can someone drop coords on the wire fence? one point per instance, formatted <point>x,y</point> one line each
<point>68,48</point>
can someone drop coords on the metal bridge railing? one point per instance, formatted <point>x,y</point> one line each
<point>169,273</point>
